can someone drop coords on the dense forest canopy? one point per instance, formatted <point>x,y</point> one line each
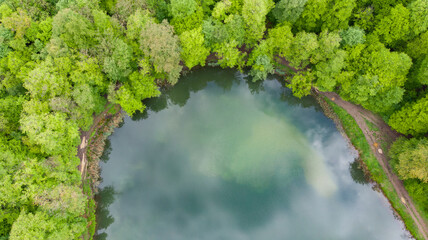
<point>62,62</point>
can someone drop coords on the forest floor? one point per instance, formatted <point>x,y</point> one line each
<point>364,118</point>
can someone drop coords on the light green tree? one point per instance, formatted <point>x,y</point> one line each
<point>74,29</point>
<point>409,158</point>
<point>302,48</point>
<point>229,55</point>
<point>338,14</point>
<point>395,26</point>
<point>18,22</point>
<point>186,15</point>
<point>279,39</point>
<point>54,133</point>
<point>378,76</point>
<point>418,16</point>
<point>412,118</point>
<point>193,50</point>
<point>301,83</point>
<point>254,13</point>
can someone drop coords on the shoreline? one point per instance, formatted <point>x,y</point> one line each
<point>380,171</point>
<point>89,151</point>
<point>93,143</point>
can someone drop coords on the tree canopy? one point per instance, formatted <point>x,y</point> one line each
<point>62,62</point>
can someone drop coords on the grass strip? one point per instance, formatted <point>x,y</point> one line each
<point>358,140</point>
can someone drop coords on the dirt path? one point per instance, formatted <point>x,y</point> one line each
<point>84,138</point>
<point>360,114</point>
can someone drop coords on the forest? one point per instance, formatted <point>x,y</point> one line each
<point>63,61</point>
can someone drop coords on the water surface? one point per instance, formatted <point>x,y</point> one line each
<point>218,157</point>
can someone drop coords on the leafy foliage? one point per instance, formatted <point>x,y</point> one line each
<point>254,13</point>
<point>352,36</point>
<point>62,61</point>
<point>289,10</point>
<point>162,46</point>
<point>412,118</point>
<point>410,158</point>
<point>376,76</point>
<point>301,84</point>
<point>193,50</point>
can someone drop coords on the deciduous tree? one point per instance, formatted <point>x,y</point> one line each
<point>193,50</point>
<point>162,46</point>
<point>412,118</point>
<point>409,158</point>
<point>254,13</point>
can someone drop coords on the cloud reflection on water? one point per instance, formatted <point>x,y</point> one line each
<point>222,162</point>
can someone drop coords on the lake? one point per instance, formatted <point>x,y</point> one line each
<point>218,157</point>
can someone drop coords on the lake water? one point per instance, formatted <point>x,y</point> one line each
<point>218,157</point>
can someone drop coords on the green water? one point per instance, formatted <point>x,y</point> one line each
<point>218,157</point>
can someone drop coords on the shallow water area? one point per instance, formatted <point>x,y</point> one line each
<point>219,157</point>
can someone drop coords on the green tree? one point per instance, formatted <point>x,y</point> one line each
<point>116,57</point>
<point>125,8</point>
<point>159,42</point>
<point>288,10</point>
<point>412,118</point>
<point>254,13</point>
<point>363,17</point>
<point>10,110</point>
<point>395,26</point>
<point>221,9</point>
<point>328,60</point>
<point>215,32</point>
<point>135,24</point>
<point>261,61</point>
<point>74,29</point>
<point>301,83</point>
<point>338,14</point>
<point>418,16</point>
<point>54,133</point>
<point>328,45</point>
<point>302,48</point>
<point>279,39</point>
<point>62,198</point>
<point>418,47</point>
<point>18,22</point>
<point>234,26</point>
<point>353,36</point>
<point>376,76</point>
<point>310,19</point>
<point>193,51</point>
<point>186,15</point>
<point>229,55</point>
<point>46,80</point>
<point>5,36</point>
<point>409,158</point>
<point>141,85</point>
<point>328,73</point>
<point>421,71</point>
<point>41,225</point>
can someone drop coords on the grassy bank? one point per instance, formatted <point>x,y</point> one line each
<point>358,140</point>
<point>96,143</point>
<point>90,210</point>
